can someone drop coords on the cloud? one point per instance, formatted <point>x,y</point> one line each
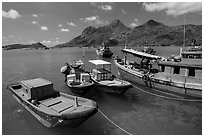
<point>135,23</point>
<point>12,14</point>
<point>123,11</point>
<point>34,22</point>
<point>44,28</point>
<point>35,15</point>
<point>94,20</point>
<point>174,8</point>
<point>106,6</point>
<point>132,25</point>
<point>46,41</point>
<point>60,25</point>
<point>64,30</point>
<point>71,24</point>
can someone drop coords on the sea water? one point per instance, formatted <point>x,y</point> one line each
<point>136,112</point>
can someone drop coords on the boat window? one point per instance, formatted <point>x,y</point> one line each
<point>176,70</point>
<point>191,72</point>
<point>162,68</point>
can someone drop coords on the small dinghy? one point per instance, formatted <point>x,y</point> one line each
<point>105,81</point>
<point>77,79</point>
<point>52,108</point>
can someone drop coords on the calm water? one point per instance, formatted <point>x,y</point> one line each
<point>135,111</point>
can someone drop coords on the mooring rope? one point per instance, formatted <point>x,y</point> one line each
<point>178,99</point>
<point>114,123</point>
<point>109,119</point>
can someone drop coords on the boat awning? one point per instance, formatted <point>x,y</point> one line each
<point>140,54</point>
<point>185,63</point>
<point>99,62</point>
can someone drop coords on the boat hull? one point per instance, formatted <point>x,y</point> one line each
<point>54,120</point>
<point>114,89</point>
<point>137,77</point>
<point>80,89</point>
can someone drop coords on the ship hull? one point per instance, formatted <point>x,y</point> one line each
<point>49,120</point>
<point>137,77</point>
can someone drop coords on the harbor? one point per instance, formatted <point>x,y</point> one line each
<point>136,111</point>
<point>102,68</point>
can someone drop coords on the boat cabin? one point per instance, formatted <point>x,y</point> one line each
<point>83,77</point>
<point>181,68</point>
<point>102,71</point>
<point>191,52</point>
<point>38,89</point>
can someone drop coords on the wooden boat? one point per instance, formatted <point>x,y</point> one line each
<point>149,50</point>
<point>183,79</point>
<point>105,81</point>
<point>104,51</point>
<point>77,79</point>
<point>52,108</point>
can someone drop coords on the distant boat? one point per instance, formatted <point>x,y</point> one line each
<point>105,81</point>
<point>52,108</point>
<point>149,50</point>
<point>76,78</point>
<point>104,51</point>
<point>176,79</point>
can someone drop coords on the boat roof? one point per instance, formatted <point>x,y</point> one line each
<point>185,63</point>
<point>99,62</point>
<point>141,54</point>
<point>38,82</point>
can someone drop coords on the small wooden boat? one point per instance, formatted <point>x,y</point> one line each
<point>105,81</point>
<point>180,79</point>
<point>52,108</point>
<point>77,79</point>
<point>149,50</point>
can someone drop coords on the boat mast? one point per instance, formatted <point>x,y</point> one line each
<point>184,31</point>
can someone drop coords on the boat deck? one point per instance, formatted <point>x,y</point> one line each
<point>112,82</point>
<point>63,105</point>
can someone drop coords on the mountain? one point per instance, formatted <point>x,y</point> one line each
<point>37,45</point>
<point>149,33</point>
<point>92,36</point>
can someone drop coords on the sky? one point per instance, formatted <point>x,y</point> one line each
<point>53,23</point>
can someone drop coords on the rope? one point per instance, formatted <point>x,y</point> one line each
<point>114,123</point>
<point>109,119</point>
<point>178,99</point>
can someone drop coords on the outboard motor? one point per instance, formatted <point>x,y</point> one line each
<point>66,69</point>
<point>63,69</point>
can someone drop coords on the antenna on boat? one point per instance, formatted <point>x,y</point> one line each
<point>184,29</point>
<point>83,52</point>
<point>126,39</point>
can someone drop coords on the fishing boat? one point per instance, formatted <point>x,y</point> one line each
<point>76,78</point>
<point>105,81</point>
<point>104,51</point>
<point>51,107</point>
<point>178,79</point>
<point>149,50</point>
